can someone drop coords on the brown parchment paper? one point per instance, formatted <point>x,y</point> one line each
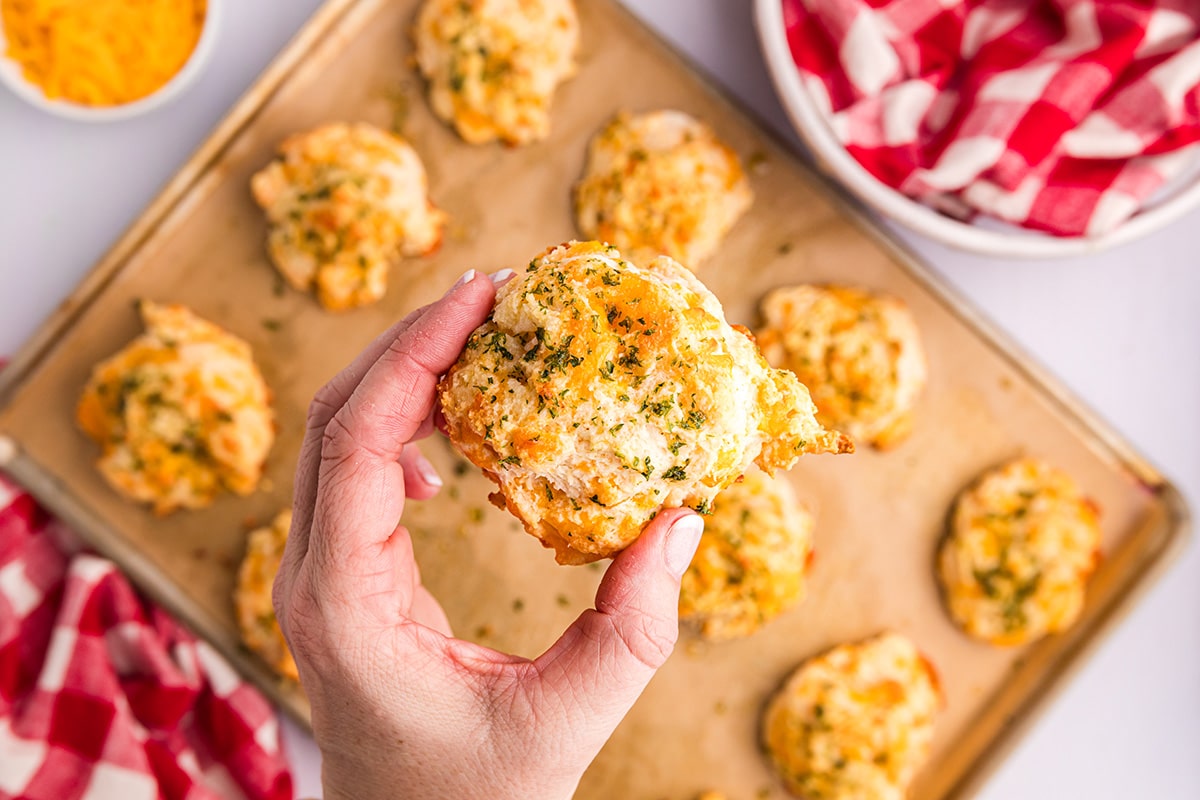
<point>879,515</point>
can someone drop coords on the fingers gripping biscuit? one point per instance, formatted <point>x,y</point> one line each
<point>600,392</point>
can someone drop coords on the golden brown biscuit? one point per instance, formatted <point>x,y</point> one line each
<point>858,352</point>
<point>343,202</point>
<point>252,597</point>
<point>1022,544</point>
<point>752,561</point>
<point>854,722</point>
<point>599,392</point>
<point>660,183</point>
<point>181,413</point>
<point>493,65</point>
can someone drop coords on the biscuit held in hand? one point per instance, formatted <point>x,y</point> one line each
<point>599,392</point>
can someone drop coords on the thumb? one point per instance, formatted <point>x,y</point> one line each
<point>614,650</point>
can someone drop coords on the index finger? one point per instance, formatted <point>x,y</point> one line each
<point>360,485</point>
<point>325,403</point>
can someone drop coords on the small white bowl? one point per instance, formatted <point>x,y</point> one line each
<point>11,76</point>
<point>997,238</point>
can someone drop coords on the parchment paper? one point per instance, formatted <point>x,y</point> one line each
<point>878,515</point>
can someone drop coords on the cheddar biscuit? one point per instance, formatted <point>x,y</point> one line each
<point>344,201</point>
<point>855,722</point>
<point>493,65</point>
<point>753,559</point>
<point>660,183</point>
<point>599,392</point>
<point>252,597</point>
<point>181,413</point>
<point>858,352</point>
<point>1022,544</point>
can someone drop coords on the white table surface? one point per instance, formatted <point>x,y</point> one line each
<point>1121,329</point>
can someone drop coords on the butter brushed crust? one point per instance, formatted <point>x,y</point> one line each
<point>600,392</point>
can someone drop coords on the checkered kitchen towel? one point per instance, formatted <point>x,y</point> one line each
<point>1059,115</point>
<point>103,695</point>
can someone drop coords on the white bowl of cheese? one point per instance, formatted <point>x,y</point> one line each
<point>89,33</point>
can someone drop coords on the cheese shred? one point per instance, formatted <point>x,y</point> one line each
<point>101,52</point>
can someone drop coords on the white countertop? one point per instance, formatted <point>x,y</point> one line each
<point>1122,329</point>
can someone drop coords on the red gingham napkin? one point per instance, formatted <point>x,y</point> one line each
<point>1059,115</point>
<point>103,695</point>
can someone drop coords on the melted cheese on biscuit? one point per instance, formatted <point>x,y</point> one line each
<point>252,597</point>
<point>493,65</point>
<point>1022,545</point>
<point>344,201</point>
<point>660,183</point>
<point>181,413</point>
<point>752,559</point>
<point>859,354</point>
<point>599,392</point>
<point>855,722</point>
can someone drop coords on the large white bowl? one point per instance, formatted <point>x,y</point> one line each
<point>998,239</point>
<point>11,76</point>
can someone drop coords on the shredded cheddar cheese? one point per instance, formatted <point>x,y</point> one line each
<point>101,52</point>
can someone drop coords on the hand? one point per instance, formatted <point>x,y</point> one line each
<point>400,708</point>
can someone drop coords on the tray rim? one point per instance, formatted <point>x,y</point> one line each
<point>1173,538</point>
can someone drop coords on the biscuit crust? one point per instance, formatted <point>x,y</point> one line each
<point>858,352</point>
<point>854,722</point>
<point>181,413</point>
<point>753,559</point>
<point>660,183</point>
<point>493,65</point>
<point>1023,543</point>
<point>599,392</point>
<point>344,201</point>
<point>252,596</point>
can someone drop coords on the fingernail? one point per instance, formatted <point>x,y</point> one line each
<point>501,276</point>
<point>682,540</point>
<point>427,472</point>
<point>466,278</point>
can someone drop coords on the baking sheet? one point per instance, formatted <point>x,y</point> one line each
<point>878,515</point>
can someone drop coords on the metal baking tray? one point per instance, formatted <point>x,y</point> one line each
<point>879,515</point>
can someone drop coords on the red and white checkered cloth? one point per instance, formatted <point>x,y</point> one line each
<point>103,695</point>
<point>1060,115</point>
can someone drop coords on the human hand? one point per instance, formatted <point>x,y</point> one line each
<point>399,707</point>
